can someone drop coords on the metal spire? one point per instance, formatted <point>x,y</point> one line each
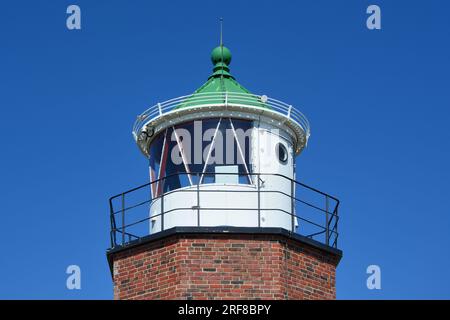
<point>221,32</point>
<point>221,53</point>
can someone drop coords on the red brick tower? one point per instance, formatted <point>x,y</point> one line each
<point>223,216</point>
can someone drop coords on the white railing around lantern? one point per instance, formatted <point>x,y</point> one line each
<point>227,99</point>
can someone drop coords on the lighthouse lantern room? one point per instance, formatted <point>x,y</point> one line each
<point>214,154</point>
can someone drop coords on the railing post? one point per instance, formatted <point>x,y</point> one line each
<point>292,206</point>
<point>123,218</point>
<point>160,108</point>
<point>259,199</point>
<point>198,199</point>
<point>336,215</point>
<point>162,208</point>
<point>111,234</point>
<point>289,112</point>
<point>112,219</point>
<point>327,231</point>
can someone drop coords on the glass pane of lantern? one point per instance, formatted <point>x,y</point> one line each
<point>226,151</point>
<point>212,148</point>
<point>155,160</point>
<point>243,132</point>
<point>172,167</point>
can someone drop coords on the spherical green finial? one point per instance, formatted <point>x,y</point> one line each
<point>221,54</point>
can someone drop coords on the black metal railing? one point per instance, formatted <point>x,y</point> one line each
<point>313,213</point>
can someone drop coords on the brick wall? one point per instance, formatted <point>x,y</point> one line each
<point>230,266</point>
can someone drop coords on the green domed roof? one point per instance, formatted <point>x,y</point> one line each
<point>221,81</point>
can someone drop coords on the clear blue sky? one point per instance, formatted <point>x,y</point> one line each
<point>378,103</point>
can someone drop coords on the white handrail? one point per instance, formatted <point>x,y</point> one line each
<point>225,98</point>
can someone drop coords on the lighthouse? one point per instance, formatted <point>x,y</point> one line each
<point>223,215</point>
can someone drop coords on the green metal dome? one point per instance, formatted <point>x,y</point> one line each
<point>221,54</point>
<point>221,82</point>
